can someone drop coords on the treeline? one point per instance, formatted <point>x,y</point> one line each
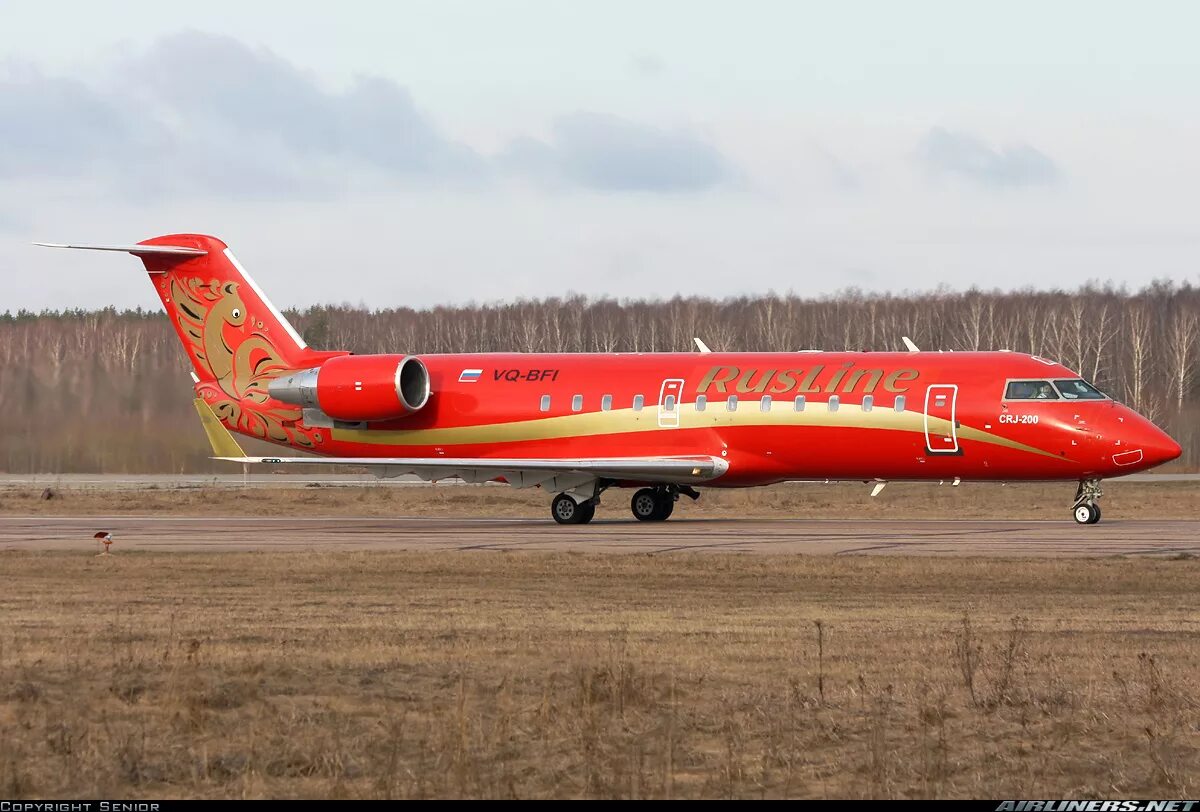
<point>108,391</point>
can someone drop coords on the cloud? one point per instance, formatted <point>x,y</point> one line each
<point>201,114</point>
<point>950,153</point>
<point>60,127</point>
<point>843,176</point>
<point>647,64</point>
<point>254,94</point>
<point>607,153</point>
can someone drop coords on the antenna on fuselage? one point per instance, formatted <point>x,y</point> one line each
<point>701,346</point>
<point>908,342</point>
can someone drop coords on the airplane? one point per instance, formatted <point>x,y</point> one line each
<point>661,424</point>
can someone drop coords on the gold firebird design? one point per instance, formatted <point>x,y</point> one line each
<point>231,345</point>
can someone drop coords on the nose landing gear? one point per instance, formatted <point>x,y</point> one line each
<point>1087,508</point>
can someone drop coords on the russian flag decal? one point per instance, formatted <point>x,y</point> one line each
<point>470,375</point>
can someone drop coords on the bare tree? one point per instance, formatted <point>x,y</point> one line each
<point>1180,351</point>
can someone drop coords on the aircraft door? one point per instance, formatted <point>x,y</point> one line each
<point>941,428</point>
<point>668,403</point>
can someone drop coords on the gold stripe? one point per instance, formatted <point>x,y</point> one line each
<point>627,421</point>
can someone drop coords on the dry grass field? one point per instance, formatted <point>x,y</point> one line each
<point>900,500</point>
<point>386,675</point>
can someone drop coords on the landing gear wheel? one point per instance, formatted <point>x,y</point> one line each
<point>1087,506</point>
<point>1087,513</point>
<point>666,506</point>
<point>566,510</point>
<point>652,505</point>
<point>645,505</point>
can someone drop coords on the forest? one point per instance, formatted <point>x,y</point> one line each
<point>108,391</point>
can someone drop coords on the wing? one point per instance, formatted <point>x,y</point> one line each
<point>559,474</point>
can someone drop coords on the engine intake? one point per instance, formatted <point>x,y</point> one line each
<point>358,388</point>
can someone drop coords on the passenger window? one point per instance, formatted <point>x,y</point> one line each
<point>900,403</point>
<point>545,403</point>
<point>798,404</point>
<point>834,402</point>
<point>701,402</point>
<point>606,402</point>
<point>1030,390</point>
<point>669,403</point>
<point>638,400</point>
<point>577,403</point>
<point>868,403</point>
<point>764,405</point>
<point>731,404</point>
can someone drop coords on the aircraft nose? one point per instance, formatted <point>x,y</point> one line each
<point>1161,448</point>
<point>1147,445</point>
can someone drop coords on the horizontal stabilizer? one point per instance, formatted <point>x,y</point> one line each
<point>136,250</point>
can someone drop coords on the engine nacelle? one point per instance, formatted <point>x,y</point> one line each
<point>357,388</point>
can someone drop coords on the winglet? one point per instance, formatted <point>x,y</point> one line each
<point>223,444</point>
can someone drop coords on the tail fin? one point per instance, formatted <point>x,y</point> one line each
<point>228,326</point>
<point>231,332</point>
<point>237,341</point>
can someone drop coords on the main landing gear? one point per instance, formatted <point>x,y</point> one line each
<point>652,505</point>
<point>566,510</point>
<point>657,504</point>
<point>1087,507</point>
<point>648,504</point>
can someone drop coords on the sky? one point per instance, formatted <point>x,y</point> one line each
<point>425,153</point>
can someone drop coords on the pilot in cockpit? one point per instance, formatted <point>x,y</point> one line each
<point>1021,390</point>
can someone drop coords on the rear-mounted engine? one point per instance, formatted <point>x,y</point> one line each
<point>358,388</point>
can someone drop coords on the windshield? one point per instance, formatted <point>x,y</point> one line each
<point>1030,390</point>
<point>1078,389</point>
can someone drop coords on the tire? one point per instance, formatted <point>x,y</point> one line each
<point>666,506</point>
<point>1086,514</point>
<point>587,512</point>
<point>645,505</point>
<point>566,510</point>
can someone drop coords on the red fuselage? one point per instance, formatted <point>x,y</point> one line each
<point>797,416</point>
<point>579,423</point>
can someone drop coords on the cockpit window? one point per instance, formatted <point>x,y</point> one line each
<point>1030,390</point>
<point>1078,389</point>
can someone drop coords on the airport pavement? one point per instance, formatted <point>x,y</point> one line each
<point>782,536</point>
